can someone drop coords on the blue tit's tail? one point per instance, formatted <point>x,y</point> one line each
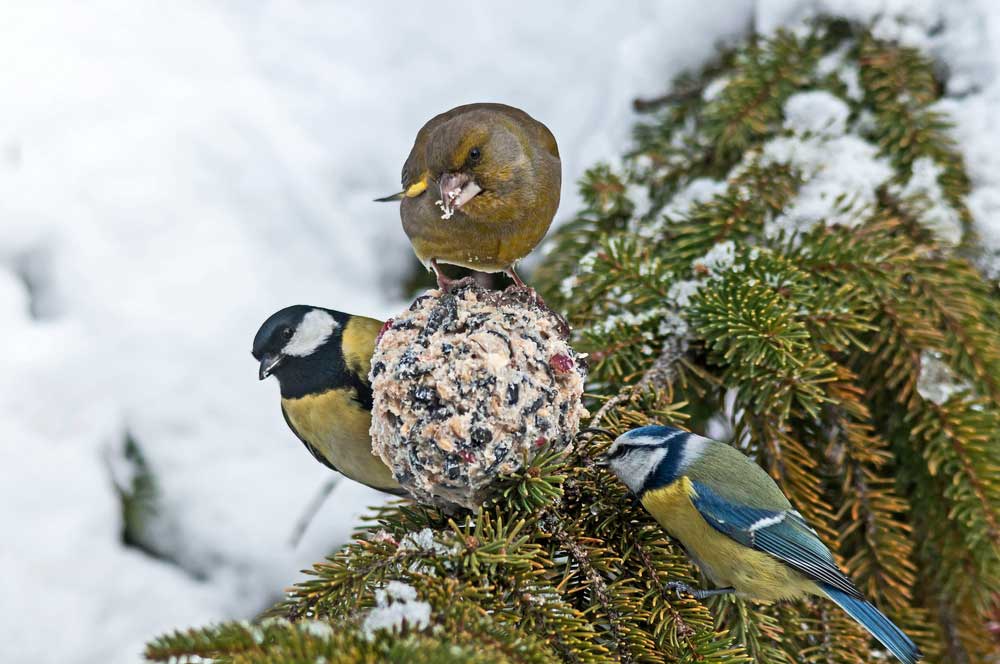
<point>874,621</point>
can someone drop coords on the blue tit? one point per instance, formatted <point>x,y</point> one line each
<point>737,525</point>
<point>321,359</point>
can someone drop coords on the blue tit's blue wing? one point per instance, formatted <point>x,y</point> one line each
<point>783,534</point>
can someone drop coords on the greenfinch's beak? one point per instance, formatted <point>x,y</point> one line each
<point>412,191</point>
<point>269,363</point>
<point>457,189</point>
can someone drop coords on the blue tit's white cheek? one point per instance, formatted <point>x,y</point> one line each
<point>636,465</point>
<point>315,328</point>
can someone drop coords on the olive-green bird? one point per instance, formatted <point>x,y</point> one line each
<point>480,189</point>
<point>321,359</point>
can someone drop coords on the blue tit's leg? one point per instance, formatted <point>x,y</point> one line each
<point>681,587</point>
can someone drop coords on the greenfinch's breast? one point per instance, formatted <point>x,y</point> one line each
<point>336,425</point>
<point>487,245</point>
<point>726,562</point>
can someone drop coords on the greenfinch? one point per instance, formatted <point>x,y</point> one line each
<point>480,189</point>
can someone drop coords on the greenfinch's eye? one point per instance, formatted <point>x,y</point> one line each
<point>475,155</point>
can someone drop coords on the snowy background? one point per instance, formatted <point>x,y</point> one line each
<point>172,173</point>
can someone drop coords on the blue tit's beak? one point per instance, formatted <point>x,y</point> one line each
<point>601,461</point>
<point>268,363</point>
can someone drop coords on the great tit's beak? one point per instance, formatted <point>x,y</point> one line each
<point>456,189</point>
<point>269,363</point>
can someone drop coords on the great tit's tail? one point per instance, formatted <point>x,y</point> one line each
<point>883,629</point>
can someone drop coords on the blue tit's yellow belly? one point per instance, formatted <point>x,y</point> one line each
<point>726,562</point>
<point>337,427</point>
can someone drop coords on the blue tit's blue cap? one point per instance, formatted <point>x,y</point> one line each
<point>652,431</point>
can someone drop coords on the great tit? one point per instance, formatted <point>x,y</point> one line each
<point>321,359</point>
<point>480,189</point>
<point>737,525</point>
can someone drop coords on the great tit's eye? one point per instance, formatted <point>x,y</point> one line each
<point>475,154</point>
<point>287,333</point>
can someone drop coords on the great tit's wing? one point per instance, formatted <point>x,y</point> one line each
<point>783,534</point>
<point>312,450</point>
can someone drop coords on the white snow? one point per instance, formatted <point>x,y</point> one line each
<point>715,88</point>
<point>847,71</point>
<point>719,259</point>
<point>923,197</point>
<point>937,382</point>
<point>963,37</point>
<point>698,190</point>
<point>396,605</point>
<point>816,112</point>
<point>681,292</point>
<point>841,171</point>
<point>173,173</point>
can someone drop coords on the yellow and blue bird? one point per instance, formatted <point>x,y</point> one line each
<point>737,525</point>
<point>321,358</point>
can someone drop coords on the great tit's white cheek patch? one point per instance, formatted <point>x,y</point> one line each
<point>315,328</point>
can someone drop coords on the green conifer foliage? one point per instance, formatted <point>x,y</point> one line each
<point>724,277</point>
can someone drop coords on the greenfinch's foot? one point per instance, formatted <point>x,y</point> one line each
<point>449,285</point>
<point>512,273</point>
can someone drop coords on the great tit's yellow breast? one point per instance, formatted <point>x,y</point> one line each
<point>725,561</point>
<point>336,425</point>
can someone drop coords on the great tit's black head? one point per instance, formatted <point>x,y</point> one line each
<point>291,336</point>
<point>651,454</point>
